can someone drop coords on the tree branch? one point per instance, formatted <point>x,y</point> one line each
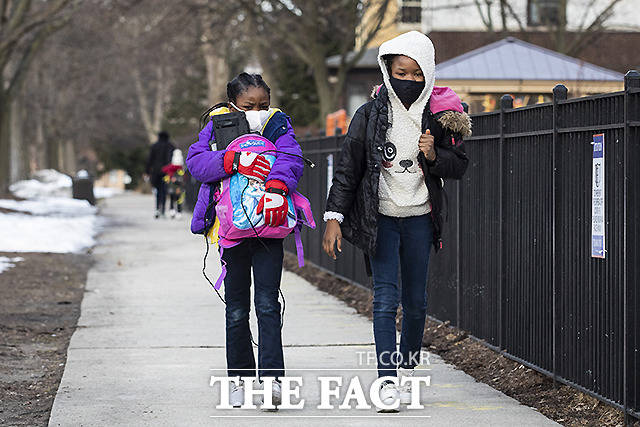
<point>16,29</point>
<point>596,26</point>
<point>485,20</point>
<point>143,105</point>
<point>20,72</point>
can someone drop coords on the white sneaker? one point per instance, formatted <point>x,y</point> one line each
<point>405,390</point>
<point>276,396</point>
<point>236,397</point>
<point>172,213</point>
<point>179,215</point>
<point>388,396</point>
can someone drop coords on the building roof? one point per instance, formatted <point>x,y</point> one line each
<point>368,60</point>
<point>513,59</point>
<point>506,59</point>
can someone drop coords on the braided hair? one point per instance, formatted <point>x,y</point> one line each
<point>235,87</point>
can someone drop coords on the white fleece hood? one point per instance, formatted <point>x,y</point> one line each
<point>418,47</point>
<point>402,191</point>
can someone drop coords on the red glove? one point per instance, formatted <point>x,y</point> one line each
<point>274,203</point>
<point>252,165</point>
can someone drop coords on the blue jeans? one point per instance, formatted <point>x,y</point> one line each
<point>407,240</point>
<point>267,271</point>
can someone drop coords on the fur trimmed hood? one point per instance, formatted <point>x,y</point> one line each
<point>446,106</point>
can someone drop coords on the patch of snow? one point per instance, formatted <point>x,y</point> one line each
<point>55,206</point>
<point>57,222</point>
<point>6,262</point>
<point>105,192</point>
<point>45,183</point>
<point>33,233</point>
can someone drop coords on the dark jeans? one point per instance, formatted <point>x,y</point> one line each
<point>407,240</point>
<point>161,195</point>
<point>267,271</point>
<point>174,201</point>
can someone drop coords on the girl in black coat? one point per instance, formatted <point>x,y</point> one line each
<point>386,195</point>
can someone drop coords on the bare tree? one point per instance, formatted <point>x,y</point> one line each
<point>314,30</point>
<point>565,40</point>
<point>156,42</point>
<point>24,27</point>
<point>214,18</point>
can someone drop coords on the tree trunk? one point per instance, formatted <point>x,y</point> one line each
<point>216,65</point>
<point>69,158</point>
<point>5,144</point>
<point>217,74</point>
<point>268,66</point>
<point>17,156</point>
<point>327,94</point>
<point>40,158</point>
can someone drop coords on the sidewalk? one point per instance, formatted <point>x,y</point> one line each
<point>151,334</point>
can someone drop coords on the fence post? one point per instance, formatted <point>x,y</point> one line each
<point>559,94</point>
<point>631,80</point>
<point>465,107</point>
<point>506,103</point>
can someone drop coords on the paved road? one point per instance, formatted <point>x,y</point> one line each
<point>151,335</point>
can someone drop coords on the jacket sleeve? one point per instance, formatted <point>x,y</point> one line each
<point>350,168</point>
<point>287,168</point>
<point>150,160</point>
<point>451,159</point>
<point>205,165</point>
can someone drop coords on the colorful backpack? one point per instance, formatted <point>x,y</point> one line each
<point>236,202</point>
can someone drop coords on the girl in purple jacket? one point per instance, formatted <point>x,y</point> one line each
<point>249,93</point>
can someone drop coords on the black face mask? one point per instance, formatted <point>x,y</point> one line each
<point>407,90</point>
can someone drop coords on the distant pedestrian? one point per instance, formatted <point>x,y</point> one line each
<point>174,179</point>
<point>386,196</point>
<point>159,156</point>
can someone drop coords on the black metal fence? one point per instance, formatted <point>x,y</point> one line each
<point>516,269</point>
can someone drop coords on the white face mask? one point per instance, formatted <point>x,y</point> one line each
<point>256,119</point>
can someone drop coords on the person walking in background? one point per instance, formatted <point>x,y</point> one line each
<point>174,179</point>
<point>159,156</point>
<point>386,196</point>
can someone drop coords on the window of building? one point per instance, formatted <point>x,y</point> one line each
<point>410,12</point>
<point>545,12</point>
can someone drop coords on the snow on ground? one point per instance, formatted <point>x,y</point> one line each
<point>45,183</point>
<point>6,262</point>
<point>56,206</point>
<point>105,192</point>
<point>37,233</point>
<point>52,221</point>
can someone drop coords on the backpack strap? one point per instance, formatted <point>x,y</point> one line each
<point>299,247</point>
<point>223,272</point>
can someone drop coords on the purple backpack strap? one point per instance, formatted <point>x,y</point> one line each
<point>223,272</point>
<point>299,248</point>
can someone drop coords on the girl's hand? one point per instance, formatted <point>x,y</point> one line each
<point>332,236</point>
<point>426,145</point>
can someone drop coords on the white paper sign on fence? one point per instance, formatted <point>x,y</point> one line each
<point>597,198</point>
<point>329,172</point>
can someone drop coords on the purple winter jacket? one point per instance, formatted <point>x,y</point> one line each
<point>208,167</point>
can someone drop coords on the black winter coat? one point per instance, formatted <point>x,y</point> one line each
<point>354,191</point>
<point>159,156</point>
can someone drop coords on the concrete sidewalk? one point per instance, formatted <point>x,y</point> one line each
<point>151,334</point>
